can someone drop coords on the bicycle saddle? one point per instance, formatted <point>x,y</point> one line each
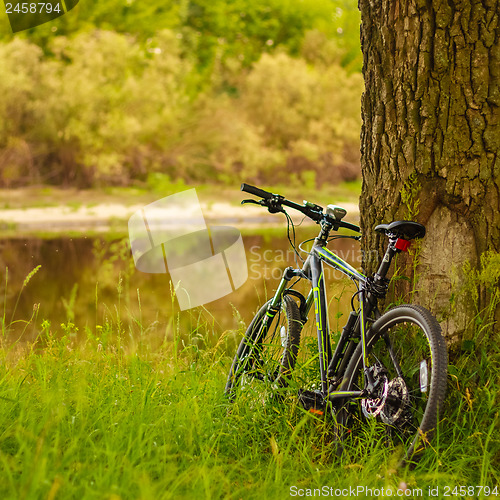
<point>405,229</point>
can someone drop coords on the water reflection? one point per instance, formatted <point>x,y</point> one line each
<point>89,285</point>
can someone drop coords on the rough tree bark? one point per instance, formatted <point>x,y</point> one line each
<point>431,126</point>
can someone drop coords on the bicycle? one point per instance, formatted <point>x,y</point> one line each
<point>388,368</point>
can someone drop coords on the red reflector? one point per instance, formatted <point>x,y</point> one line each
<point>402,245</point>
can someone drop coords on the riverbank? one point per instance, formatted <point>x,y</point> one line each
<point>55,210</point>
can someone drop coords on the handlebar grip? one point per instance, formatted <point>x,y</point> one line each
<point>256,191</point>
<point>352,227</point>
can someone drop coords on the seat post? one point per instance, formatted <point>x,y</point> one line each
<point>386,261</point>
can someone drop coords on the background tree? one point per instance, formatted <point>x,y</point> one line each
<point>133,92</point>
<point>430,143</point>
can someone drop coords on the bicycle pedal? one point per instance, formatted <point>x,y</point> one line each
<point>312,401</point>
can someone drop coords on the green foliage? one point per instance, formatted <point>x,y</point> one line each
<point>336,42</point>
<point>131,110</point>
<point>162,184</point>
<point>488,274</point>
<point>301,108</point>
<point>239,30</point>
<point>485,280</point>
<point>106,415</point>
<point>91,120</point>
<point>194,89</point>
<point>410,196</point>
<point>19,85</point>
<point>216,32</point>
<point>146,18</point>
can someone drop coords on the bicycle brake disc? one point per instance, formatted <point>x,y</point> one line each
<point>397,392</point>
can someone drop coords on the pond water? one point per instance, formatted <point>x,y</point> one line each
<point>89,285</point>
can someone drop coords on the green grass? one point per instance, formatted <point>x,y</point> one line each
<point>102,418</point>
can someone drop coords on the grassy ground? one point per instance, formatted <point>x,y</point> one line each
<point>109,418</point>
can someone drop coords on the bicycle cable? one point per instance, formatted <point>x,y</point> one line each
<point>336,236</point>
<point>303,243</point>
<point>300,223</point>
<point>354,295</point>
<point>289,223</point>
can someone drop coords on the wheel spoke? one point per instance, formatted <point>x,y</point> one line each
<point>406,353</point>
<point>269,353</point>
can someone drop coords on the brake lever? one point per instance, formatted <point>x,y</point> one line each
<point>272,206</point>
<point>251,201</point>
<point>275,209</point>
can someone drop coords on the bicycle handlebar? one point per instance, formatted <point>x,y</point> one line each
<point>349,225</point>
<point>256,191</point>
<point>314,212</point>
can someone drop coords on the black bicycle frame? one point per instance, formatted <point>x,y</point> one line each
<point>313,271</point>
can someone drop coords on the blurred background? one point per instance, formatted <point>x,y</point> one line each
<point>118,103</point>
<point>204,91</point>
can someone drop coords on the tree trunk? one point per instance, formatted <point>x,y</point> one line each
<point>430,143</point>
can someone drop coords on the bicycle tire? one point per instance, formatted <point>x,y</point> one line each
<point>270,359</point>
<point>408,412</point>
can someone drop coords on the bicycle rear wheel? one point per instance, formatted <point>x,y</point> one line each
<point>407,355</point>
<point>266,357</point>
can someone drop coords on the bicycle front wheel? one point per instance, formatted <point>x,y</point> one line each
<point>267,353</point>
<point>407,356</point>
